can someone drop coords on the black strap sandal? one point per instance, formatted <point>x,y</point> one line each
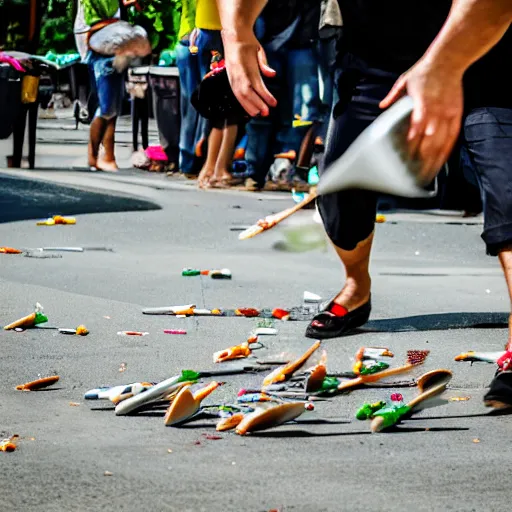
<point>336,321</point>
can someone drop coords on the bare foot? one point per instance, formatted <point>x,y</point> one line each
<point>106,166</point>
<point>220,179</point>
<point>204,177</point>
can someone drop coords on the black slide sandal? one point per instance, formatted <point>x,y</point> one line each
<point>327,325</point>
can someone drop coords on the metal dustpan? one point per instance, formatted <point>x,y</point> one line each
<point>378,159</point>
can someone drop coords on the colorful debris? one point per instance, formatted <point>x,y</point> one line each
<point>38,384</point>
<point>57,219</point>
<point>35,318</point>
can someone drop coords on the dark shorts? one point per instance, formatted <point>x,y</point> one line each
<point>487,137</point>
<point>349,216</point>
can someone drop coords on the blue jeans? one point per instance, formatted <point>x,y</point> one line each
<point>192,124</point>
<point>108,84</point>
<point>296,89</point>
<point>208,41</point>
<point>302,72</point>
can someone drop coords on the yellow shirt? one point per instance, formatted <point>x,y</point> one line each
<point>207,15</point>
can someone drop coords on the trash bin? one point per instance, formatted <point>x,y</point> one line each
<point>165,85</point>
<point>10,99</point>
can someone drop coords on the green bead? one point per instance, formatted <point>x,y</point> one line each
<point>190,272</point>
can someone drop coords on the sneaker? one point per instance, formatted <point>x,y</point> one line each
<point>499,395</point>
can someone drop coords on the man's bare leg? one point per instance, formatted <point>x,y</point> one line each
<point>96,134</point>
<point>108,161</point>
<point>505,258</point>
<point>357,288</point>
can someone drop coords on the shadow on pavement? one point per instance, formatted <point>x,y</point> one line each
<point>25,199</point>
<point>436,322</point>
<point>496,412</point>
<point>407,430</point>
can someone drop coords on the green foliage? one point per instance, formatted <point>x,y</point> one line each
<point>161,20</point>
<point>57,28</point>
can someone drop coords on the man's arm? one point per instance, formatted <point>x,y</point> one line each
<point>472,28</point>
<point>245,59</point>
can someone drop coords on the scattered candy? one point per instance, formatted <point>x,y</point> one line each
<point>38,384</point>
<point>281,314</point>
<point>212,437</point>
<point>132,333</point>
<point>236,352</point>
<point>81,330</point>
<point>74,404</point>
<point>35,318</point>
<point>123,367</point>
<point>397,397</point>
<point>9,444</point>
<point>174,331</point>
<point>379,219</point>
<point>476,440</point>
<point>57,219</point>
<point>224,273</point>
<point>366,411</point>
<point>108,473</point>
<point>459,398</point>
<point>248,312</point>
<point>9,250</point>
<point>265,331</point>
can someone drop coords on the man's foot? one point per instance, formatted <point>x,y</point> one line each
<point>106,165</point>
<point>337,320</point>
<point>348,310</point>
<point>499,395</point>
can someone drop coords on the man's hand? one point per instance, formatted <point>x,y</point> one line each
<point>436,118</point>
<point>245,63</point>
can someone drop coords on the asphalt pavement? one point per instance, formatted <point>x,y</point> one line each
<point>433,288</point>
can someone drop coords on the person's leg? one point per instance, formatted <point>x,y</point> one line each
<point>96,133</point>
<point>214,144</point>
<point>349,216</point>
<point>107,162</point>
<point>505,257</point>
<point>135,123</point>
<point>327,61</point>
<point>144,121</point>
<point>488,139</point>
<point>223,164</point>
<point>189,80</point>
<point>304,80</point>
<point>109,87</point>
<point>261,131</point>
